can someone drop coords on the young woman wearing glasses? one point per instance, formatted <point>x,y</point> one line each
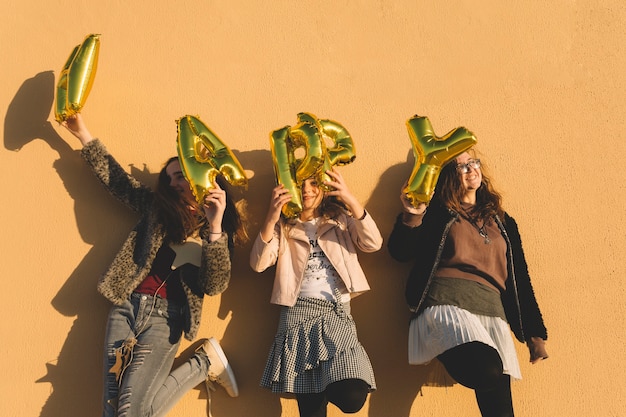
<point>469,285</point>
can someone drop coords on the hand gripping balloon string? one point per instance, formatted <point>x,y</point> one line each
<point>431,154</point>
<point>203,156</point>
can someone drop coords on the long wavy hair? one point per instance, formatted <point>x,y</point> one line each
<point>180,222</point>
<point>449,191</point>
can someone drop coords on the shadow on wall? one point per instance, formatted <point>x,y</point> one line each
<point>76,375</point>
<point>252,326</point>
<point>384,333</point>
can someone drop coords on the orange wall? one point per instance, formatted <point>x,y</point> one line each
<point>540,83</point>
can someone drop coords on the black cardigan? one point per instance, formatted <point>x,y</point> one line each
<point>424,245</point>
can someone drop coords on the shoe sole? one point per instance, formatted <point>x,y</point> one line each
<point>220,353</point>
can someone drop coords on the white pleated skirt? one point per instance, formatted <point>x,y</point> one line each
<point>439,328</point>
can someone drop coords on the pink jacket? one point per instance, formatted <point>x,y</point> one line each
<point>336,237</point>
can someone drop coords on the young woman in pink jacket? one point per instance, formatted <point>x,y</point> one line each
<point>316,352</point>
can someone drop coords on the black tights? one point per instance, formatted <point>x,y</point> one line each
<point>349,395</point>
<point>479,367</point>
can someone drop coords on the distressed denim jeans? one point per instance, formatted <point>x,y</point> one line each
<point>151,330</point>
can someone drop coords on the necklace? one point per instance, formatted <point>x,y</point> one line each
<point>481,229</point>
<point>482,232</point>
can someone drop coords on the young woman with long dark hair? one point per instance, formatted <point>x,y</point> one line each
<point>178,252</point>
<point>469,286</point>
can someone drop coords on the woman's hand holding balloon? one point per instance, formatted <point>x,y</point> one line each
<point>76,126</point>
<point>342,192</point>
<point>411,216</point>
<point>214,207</point>
<point>280,197</point>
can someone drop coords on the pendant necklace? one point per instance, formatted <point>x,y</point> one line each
<point>482,232</point>
<point>481,229</point>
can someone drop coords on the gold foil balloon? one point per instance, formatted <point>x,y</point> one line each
<point>285,169</point>
<point>61,109</point>
<point>76,78</point>
<point>431,154</point>
<point>203,156</point>
<point>309,135</point>
<point>343,151</point>
<point>306,135</point>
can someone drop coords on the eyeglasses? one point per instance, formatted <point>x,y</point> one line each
<point>465,168</point>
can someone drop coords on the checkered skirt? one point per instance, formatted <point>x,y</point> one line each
<point>316,344</point>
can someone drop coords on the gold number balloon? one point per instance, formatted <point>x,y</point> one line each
<point>203,156</point>
<point>309,135</point>
<point>76,78</point>
<point>431,154</point>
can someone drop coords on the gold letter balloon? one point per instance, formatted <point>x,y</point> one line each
<point>343,151</point>
<point>308,136</point>
<point>203,156</point>
<point>76,78</point>
<point>431,154</point>
<point>283,157</point>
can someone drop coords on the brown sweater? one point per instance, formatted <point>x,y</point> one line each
<point>467,256</point>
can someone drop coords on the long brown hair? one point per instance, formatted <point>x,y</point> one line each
<point>180,222</point>
<point>449,191</point>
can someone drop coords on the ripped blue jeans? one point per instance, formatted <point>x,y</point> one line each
<point>146,332</point>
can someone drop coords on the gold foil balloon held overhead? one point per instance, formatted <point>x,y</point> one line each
<point>203,156</point>
<point>431,154</point>
<point>76,78</point>
<point>308,135</point>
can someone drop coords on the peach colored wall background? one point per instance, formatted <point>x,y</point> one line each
<point>540,83</point>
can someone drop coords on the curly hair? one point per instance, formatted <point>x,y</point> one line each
<point>449,191</point>
<point>180,222</point>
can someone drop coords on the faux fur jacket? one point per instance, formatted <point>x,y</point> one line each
<point>134,260</point>
<point>424,245</point>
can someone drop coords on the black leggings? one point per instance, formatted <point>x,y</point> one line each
<point>479,367</point>
<point>349,395</point>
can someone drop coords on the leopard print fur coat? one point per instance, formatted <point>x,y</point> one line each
<point>134,260</point>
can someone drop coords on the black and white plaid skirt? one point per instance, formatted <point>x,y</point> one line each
<point>316,344</point>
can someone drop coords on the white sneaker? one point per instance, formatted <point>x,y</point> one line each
<point>219,368</point>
